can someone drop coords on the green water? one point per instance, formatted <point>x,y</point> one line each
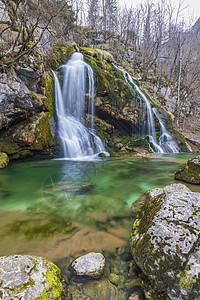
<point>51,195</point>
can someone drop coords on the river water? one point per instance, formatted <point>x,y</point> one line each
<point>61,208</point>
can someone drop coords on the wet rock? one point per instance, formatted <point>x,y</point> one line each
<point>4,160</point>
<point>191,172</point>
<point>102,289</point>
<point>165,241</point>
<point>29,277</point>
<point>117,280</point>
<point>34,136</point>
<point>91,264</point>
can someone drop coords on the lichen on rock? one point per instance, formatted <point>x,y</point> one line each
<point>29,277</point>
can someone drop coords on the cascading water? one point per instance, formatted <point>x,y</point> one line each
<point>78,84</point>
<point>166,143</point>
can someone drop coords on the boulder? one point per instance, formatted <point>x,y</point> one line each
<point>165,241</point>
<point>4,160</point>
<point>29,277</point>
<point>91,264</point>
<point>191,172</point>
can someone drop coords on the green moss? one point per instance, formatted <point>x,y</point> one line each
<point>4,160</point>
<point>41,227</point>
<point>62,53</point>
<point>114,154</point>
<point>43,131</point>
<point>9,146</point>
<point>189,173</point>
<point>187,281</point>
<point>117,280</point>
<point>53,280</point>
<point>43,100</point>
<point>98,53</point>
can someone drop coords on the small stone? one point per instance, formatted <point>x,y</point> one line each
<point>117,280</point>
<point>134,296</point>
<point>91,264</point>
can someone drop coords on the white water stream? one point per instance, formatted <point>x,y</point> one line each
<point>77,86</point>
<point>166,143</point>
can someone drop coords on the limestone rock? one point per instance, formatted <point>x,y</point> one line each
<point>165,241</point>
<point>91,264</point>
<point>28,277</point>
<point>16,100</point>
<point>191,172</point>
<point>4,160</point>
<point>29,77</point>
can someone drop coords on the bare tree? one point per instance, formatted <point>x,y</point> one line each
<point>31,20</point>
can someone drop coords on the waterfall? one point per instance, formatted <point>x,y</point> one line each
<point>166,143</point>
<point>77,86</point>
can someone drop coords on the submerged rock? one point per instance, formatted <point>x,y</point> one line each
<point>165,241</point>
<point>4,160</point>
<point>91,264</point>
<point>76,188</point>
<point>136,294</point>
<point>29,277</point>
<point>191,172</point>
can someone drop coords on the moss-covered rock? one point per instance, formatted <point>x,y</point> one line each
<point>191,172</point>
<point>165,241</point>
<point>36,135</point>
<point>4,160</point>
<point>61,54</point>
<point>29,277</point>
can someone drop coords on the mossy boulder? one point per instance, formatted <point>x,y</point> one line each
<point>4,160</point>
<point>29,277</point>
<point>165,241</point>
<point>32,137</point>
<point>191,172</point>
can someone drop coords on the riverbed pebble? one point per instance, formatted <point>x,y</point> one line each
<point>91,264</point>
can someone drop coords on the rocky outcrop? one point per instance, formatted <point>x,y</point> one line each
<point>165,241</point>
<point>29,277</point>
<point>27,126</point>
<point>4,160</point>
<point>191,172</point>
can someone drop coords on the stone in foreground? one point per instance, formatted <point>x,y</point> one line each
<point>191,172</point>
<point>4,160</point>
<point>165,241</point>
<point>91,264</point>
<point>29,277</point>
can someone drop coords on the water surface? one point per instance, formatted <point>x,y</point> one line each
<point>58,208</point>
